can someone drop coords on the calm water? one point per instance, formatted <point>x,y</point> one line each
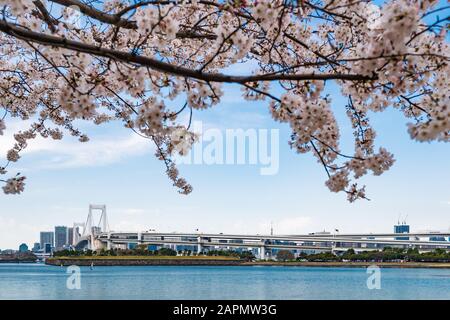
<point>37,281</point>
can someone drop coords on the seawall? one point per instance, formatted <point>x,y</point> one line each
<point>438,265</point>
<point>142,262</point>
<point>229,262</point>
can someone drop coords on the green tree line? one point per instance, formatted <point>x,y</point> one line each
<point>142,250</point>
<point>386,255</point>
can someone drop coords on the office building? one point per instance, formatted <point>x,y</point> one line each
<point>70,236</point>
<point>47,237</point>
<point>36,247</point>
<point>401,228</point>
<point>23,248</point>
<point>47,248</point>
<point>61,237</point>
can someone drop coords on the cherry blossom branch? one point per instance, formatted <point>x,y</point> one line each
<point>23,34</point>
<point>152,52</point>
<point>51,22</point>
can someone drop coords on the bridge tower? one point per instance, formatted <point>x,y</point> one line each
<point>91,230</point>
<point>102,223</point>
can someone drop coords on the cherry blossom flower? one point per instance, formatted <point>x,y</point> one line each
<point>182,140</point>
<point>14,185</point>
<point>2,126</point>
<point>135,62</point>
<point>12,155</point>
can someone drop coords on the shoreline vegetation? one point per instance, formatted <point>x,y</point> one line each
<point>20,257</point>
<point>225,261</point>
<point>352,264</point>
<point>144,261</point>
<point>387,258</point>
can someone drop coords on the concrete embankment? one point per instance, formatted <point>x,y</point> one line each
<point>440,265</point>
<point>142,262</point>
<point>17,261</point>
<point>204,261</point>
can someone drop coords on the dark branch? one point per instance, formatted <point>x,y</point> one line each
<point>49,40</point>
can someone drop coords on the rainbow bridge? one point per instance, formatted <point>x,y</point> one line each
<point>100,237</point>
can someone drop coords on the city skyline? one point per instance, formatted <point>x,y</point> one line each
<point>49,237</point>
<point>99,239</point>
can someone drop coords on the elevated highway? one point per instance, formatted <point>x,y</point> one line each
<point>341,242</point>
<point>98,237</point>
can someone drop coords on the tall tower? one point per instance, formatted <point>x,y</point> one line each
<point>61,237</point>
<point>91,230</point>
<point>47,237</point>
<point>102,223</point>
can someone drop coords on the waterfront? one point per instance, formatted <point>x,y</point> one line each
<point>38,281</point>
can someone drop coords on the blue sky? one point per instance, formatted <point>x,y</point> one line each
<point>118,169</point>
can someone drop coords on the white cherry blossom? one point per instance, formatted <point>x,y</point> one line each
<point>66,60</point>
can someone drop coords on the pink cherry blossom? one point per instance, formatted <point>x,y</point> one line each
<point>66,60</point>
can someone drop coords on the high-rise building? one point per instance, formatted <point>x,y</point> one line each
<point>23,248</point>
<point>36,247</point>
<point>70,236</point>
<point>401,228</point>
<point>61,237</point>
<point>47,237</point>
<point>47,248</point>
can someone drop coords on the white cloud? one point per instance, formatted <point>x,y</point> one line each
<point>70,153</point>
<point>9,240</point>
<point>97,152</point>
